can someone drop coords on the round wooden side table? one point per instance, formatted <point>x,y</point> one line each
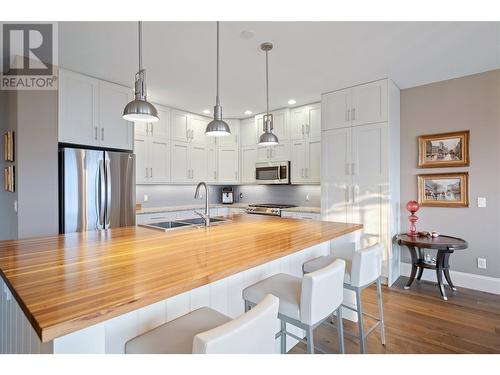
<point>445,246</point>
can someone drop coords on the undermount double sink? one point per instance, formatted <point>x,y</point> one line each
<point>175,224</point>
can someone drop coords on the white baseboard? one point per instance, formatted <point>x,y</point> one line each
<point>462,279</point>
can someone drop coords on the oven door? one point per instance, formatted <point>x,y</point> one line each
<point>272,173</point>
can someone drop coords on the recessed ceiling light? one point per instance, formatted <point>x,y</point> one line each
<point>206,111</point>
<point>292,102</point>
<point>247,34</point>
<point>248,112</point>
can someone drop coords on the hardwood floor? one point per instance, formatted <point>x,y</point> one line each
<point>418,321</point>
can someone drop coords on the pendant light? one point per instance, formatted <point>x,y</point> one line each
<point>139,109</point>
<point>217,127</point>
<point>267,138</point>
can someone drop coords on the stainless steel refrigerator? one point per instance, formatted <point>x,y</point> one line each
<point>96,189</point>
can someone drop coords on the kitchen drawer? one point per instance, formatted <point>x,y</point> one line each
<point>155,217</point>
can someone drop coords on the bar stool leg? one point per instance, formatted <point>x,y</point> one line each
<point>247,306</point>
<point>283,337</point>
<point>359,307</point>
<point>310,340</point>
<point>381,311</point>
<point>340,330</point>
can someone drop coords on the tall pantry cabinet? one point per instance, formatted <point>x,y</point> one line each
<point>360,163</point>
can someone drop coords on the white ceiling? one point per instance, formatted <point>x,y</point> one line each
<point>309,58</point>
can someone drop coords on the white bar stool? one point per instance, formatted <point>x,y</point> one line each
<point>363,270</point>
<point>304,302</point>
<point>207,331</point>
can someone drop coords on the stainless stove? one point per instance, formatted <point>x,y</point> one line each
<point>267,209</point>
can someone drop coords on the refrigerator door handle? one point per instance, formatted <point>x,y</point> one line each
<point>101,196</point>
<point>108,195</point>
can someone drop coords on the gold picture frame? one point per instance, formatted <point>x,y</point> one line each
<point>8,141</point>
<point>443,189</point>
<point>444,150</point>
<point>9,178</point>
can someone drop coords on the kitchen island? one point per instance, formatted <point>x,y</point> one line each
<point>91,292</point>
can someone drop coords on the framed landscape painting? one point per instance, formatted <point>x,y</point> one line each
<point>443,150</point>
<point>443,190</point>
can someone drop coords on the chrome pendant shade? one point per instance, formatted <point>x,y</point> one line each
<point>139,109</point>
<point>268,138</point>
<point>217,127</point>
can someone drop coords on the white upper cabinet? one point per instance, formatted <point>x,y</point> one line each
<point>212,160</point>
<point>358,105</point>
<point>229,165</point>
<point>281,124</point>
<point>305,161</point>
<point>159,160</point>
<point>233,139</point>
<point>280,152</point>
<point>160,129</point>
<point>141,159</point>
<point>369,103</point>
<point>78,108</point>
<point>313,117</point>
<point>180,125</point>
<point>90,112</point>
<point>298,161</point>
<point>248,132</point>
<point>115,132</point>
<point>198,162</point>
<point>180,169</point>
<point>335,109</point>
<point>281,120</point>
<point>305,122</point>
<point>247,165</point>
<point>297,122</point>
<point>197,127</point>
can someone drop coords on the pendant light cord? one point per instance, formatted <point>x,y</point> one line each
<point>217,84</point>
<point>267,83</point>
<point>140,45</point>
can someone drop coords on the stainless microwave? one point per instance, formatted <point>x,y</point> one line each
<point>272,173</point>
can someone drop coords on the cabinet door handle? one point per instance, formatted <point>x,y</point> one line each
<point>192,134</point>
<point>151,130</point>
<point>347,170</point>
<point>215,175</point>
<point>95,132</point>
<point>302,129</point>
<point>151,174</point>
<point>353,168</point>
<point>102,134</point>
<point>187,134</point>
<point>147,174</point>
<point>302,172</point>
<point>348,115</point>
<point>308,129</point>
<point>353,194</point>
<point>353,114</point>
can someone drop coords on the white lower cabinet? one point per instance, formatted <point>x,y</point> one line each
<point>301,215</point>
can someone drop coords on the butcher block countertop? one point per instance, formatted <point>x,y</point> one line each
<point>68,282</point>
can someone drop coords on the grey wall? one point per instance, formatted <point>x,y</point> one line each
<point>473,103</point>
<point>178,195</point>
<point>8,121</point>
<point>37,169</point>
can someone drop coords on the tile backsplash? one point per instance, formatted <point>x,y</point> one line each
<point>179,195</point>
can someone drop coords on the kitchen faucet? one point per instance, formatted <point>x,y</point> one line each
<point>205,216</point>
